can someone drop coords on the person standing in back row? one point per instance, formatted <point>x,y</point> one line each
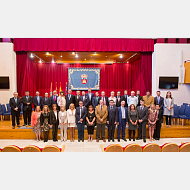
<point>159,100</point>
<point>90,96</point>
<point>124,98</point>
<point>27,108</point>
<point>70,99</point>
<point>148,99</point>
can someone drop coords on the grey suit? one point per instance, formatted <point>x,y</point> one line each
<point>143,114</point>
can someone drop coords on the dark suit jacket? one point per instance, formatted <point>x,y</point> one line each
<point>13,104</point>
<point>106,98</point>
<point>77,101</point>
<point>52,100</point>
<point>161,102</point>
<point>35,102</point>
<point>112,115</point>
<point>125,99</point>
<point>143,114</point>
<point>90,101</point>
<point>68,102</point>
<point>47,102</point>
<point>85,101</point>
<point>95,102</point>
<point>139,99</point>
<point>160,116</point>
<point>118,103</point>
<point>120,114</point>
<point>24,101</point>
<point>53,119</point>
<point>83,114</point>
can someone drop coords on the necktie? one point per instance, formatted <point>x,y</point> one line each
<point>141,108</point>
<point>101,107</point>
<point>54,98</point>
<point>77,97</point>
<point>38,99</point>
<point>103,100</point>
<point>125,96</point>
<point>80,112</point>
<point>118,99</point>
<point>158,100</point>
<point>45,99</point>
<point>97,99</point>
<point>90,97</point>
<point>83,98</point>
<point>27,98</point>
<point>69,96</point>
<point>16,100</point>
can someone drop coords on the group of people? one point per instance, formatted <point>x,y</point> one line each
<point>94,110</point>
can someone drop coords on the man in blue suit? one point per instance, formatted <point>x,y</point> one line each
<point>81,112</point>
<point>95,101</point>
<point>122,120</point>
<point>159,100</point>
<point>84,99</point>
<point>37,100</point>
<point>54,98</point>
<point>90,95</point>
<point>46,101</point>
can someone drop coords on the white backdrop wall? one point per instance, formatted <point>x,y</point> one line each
<point>7,68</point>
<point>166,62</point>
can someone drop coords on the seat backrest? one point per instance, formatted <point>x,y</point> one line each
<point>185,147</point>
<point>176,110</point>
<point>185,104</point>
<point>51,148</point>
<point>31,148</point>
<point>182,110</point>
<point>3,108</point>
<point>187,111</point>
<point>21,107</point>
<point>152,147</point>
<point>114,148</point>
<point>11,148</point>
<point>133,148</point>
<point>8,107</point>
<point>170,147</point>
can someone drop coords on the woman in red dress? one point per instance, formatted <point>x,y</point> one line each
<point>152,118</point>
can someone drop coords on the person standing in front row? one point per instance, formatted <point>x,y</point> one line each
<point>71,121</point>
<point>133,120</point>
<point>148,99</point>
<point>15,104</point>
<point>158,122</point>
<point>70,99</point>
<point>63,123</point>
<point>81,112</point>
<point>54,121</point>
<point>27,108</point>
<point>143,115</point>
<point>122,120</point>
<point>168,108</point>
<point>101,119</point>
<point>45,122</point>
<point>112,120</point>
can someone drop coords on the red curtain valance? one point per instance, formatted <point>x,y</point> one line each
<point>83,44</point>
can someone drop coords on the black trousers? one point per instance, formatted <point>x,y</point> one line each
<point>100,127</point>
<point>15,114</point>
<point>142,127</point>
<point>168,117</point>
<point>46,133</point>
<point>54,132</point>
<point>130,131</point>
<point>111,129</point>
<point>27,116</point>
<point>157,130</point>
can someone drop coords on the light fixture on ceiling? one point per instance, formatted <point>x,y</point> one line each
<point>76,56</point>
<point>40,61</point>
<point>95,53</point>
<point>53,61</point>
<point>127,61</point>
<point>31,55</point>
<point>85,59</point>
<point>106,55</point>
<point>91,56</point>
<point>61,56</point>
<point>73,53</point>
<point>121,56</point>
<point>47,53</point>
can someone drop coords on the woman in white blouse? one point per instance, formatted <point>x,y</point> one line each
<point>71,121</point>
<point>63,123</point>
<point>112,97</point>
<point>61,100</point>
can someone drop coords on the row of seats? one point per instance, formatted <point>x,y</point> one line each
<point>32,148</point>
<point>151,147</point>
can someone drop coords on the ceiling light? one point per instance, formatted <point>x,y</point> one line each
<point>95,53</point>
<point>120,56</point>
<point>31,55</point>
<point>40,61</point>
<point>106,55</point>
<point>53,61</point>
<point>61,56</point>
<point>127,61</point>
<point>91,56</point>
<point>47,53</point>
<point>73,52</point>
<point>85,59</point>
<point>76,55</point>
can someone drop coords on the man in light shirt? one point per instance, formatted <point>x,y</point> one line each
<point>132,99</point>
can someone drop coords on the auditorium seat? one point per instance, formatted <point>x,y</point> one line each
<point>133,148</point>
<point>1,112</point>
<point>31,148</point>
<point>152,147</point>
<point>185,147</point>
<point>170,147</point>
<point>186,114</point>
<point>11,148</point>
<point>176,113</point>
<point>21,112</point>
<point>51,148</point>
<point>113,148</point>
<point>5,112</point>
<point>185,104</point>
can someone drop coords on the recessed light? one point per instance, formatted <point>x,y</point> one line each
<point>76,55</point>
<point>95,53</point>
<point>85,59</point>
<point>40,61</point>
<point>106,55</point>
<point>120,56</point>
<point>47,53</point>
<point>127,61</point>
<point>61,56</point>
<point>31,55</point>
<point>91,56</point>
<point>73,52</point>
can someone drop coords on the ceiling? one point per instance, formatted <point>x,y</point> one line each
<point>91,57</point>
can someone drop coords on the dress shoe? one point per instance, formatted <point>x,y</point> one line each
<point>144,140</point>
<point>113,140</point>
<point>139,138</point>
<point>129,139</point>
<point>13,127</point>
<point>108,140</point>
<point>125,139</point>
<point>104,140</point>
<point>118,140</point>
<point>97,140</point>
<point>133,139</point>
<point>78,140</point>
<point>82,140</point>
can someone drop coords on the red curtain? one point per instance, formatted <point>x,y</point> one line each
<point>83,44</point>
<point>130,76</point>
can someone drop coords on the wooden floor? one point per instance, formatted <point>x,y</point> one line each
<point>6,131</point>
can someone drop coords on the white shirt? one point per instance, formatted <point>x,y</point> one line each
<point>114,99</point>
<point>132,100</point>
<point>123,112</point>
<point>55,114</point>
<point>61,101</point>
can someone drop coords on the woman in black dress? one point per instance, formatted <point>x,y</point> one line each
<point>90,122</point>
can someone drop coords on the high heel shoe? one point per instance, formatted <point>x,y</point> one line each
<point>129,139</point>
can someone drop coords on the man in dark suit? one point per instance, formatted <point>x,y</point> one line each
<point>54,98</point>
<point>90,96</point>
<point>37,100</point>
<point>84,99</point>
<point>70,98</point>
<point>122,120</point>
<point>159,100</point>
<point>118,99</point>
<point>27,108</point>
<point>158,123</point>
<point>15,104</point>
<point>104,98</point>
<point>95,101</point>
<point>77,99</point>
<point>139,97</point>
<point>81,112</point>
<point>124,98</point>
<point>112,120</point>
<point>46,101</point>
<point>143,114</point>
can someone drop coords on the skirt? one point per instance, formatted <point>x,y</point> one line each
<point>90,130</point>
